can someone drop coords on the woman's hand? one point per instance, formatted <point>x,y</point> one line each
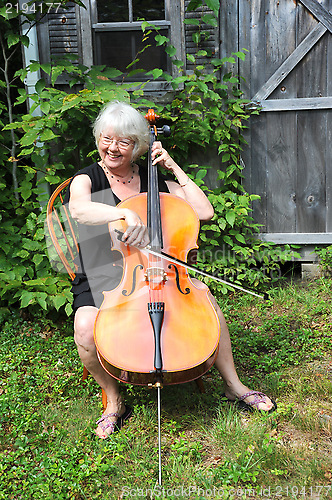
<point>184,187</point>
<point>160,155</point>
<point>136,233</point>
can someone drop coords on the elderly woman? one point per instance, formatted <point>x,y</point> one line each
<point>122,135</point>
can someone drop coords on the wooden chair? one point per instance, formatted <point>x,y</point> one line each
<point>62,231</point>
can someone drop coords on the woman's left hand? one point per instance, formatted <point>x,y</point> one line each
<point>160,155</point>
<point>184,187</point>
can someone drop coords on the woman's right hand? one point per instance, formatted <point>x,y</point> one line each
<point>136,233</point>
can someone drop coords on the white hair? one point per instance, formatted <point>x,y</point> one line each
<point>125,121</point>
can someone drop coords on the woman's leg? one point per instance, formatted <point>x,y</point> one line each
<point>225,363</point>
<point>83,334</point>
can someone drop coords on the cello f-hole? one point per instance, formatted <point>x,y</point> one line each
<point>125,292</point>
<point>177,278</point>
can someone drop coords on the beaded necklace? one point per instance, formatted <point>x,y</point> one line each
<point>113,177</point>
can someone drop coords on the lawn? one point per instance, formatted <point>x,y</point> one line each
<point>209,448</point>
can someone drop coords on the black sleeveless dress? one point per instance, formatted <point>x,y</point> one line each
<point>99,268</point>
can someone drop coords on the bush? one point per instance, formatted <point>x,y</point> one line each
<point>207,113</point>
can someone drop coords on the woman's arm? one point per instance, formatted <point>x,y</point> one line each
<point>86,211</point>
<point>185,188</point>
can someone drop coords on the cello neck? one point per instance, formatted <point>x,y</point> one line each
<point>153,199</point>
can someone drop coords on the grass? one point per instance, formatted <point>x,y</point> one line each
<point>209,449</point>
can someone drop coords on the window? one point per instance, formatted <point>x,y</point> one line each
<point>118,35</point>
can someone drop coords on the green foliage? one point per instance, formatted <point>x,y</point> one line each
<point>47,414</point>
<point>289,329</point>
<point>325,259</point>
<point>53,140</point>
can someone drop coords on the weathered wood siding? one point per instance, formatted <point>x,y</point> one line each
<point>288,71</point>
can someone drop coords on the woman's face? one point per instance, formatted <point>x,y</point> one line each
<point>115,151</point>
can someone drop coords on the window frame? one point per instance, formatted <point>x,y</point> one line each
<point>174,14</point>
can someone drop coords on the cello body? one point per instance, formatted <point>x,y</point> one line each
<point>125,336</point>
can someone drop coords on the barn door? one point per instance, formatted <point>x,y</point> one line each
<point>288,72</point>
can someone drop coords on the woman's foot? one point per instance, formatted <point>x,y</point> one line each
<point>251,400</point>
<point>112,419</point>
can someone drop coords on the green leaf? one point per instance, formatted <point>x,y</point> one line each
<point>112,73</point>
<point>222,223</point>
<point>156,73</point>
<point>12,39</point>
<point>230,217</point>
<point>41,299</point>
<point>179,64</point>
<point>58,301</point>
<point>34,66</point>
<point>29,138</point>
<point>48,135</point>
<point>213,5</point>
<point>170,50</point>
<point>40,85</point>
<point>68,309</point>
<point>30,245</point>
<point>25,40</point>
<point>194,4</point>
<point>27,298</point>
<point>161,40</point>
<point>47,67</point>
<point>45,107</point>
<point>56,72</point>
<point>192,21</point>
<point>240,55</point>
<point>196,37</point>
<point>228,240</point>
<point>240,238</point>
<point>191,58</point>
<point>201,173</point>
<point>210,19</point>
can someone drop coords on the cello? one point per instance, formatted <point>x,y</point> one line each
<point>157,327</point>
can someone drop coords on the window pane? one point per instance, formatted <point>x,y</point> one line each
<point>149,10</point>
<point>117,49</point>
<point>112,11</point>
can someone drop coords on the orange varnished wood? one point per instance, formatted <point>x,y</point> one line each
<point>190,331</point>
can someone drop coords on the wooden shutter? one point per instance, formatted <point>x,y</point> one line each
<point>63,31</point>
<point>211,45</point>
<point>59,33</point>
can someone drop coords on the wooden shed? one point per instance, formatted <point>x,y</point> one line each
<point>287,73</point>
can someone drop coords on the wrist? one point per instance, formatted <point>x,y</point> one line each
<point>123,213</point>
<point>180,175</point>
<point>184,184</point>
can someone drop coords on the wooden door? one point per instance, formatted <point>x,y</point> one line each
<point>288,73</point>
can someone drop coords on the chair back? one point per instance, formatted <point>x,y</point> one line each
<point>61,229</point>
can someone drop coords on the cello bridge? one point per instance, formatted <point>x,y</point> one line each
<point>155,275</point>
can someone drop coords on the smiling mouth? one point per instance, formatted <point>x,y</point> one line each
<point>112,157</point>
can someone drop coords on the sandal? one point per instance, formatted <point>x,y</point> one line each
<point>106,424</point>
<point>252,406</point>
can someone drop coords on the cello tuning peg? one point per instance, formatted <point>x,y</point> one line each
<point>165,130</point>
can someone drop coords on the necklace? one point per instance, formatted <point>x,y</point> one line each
<point>113,177</point>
